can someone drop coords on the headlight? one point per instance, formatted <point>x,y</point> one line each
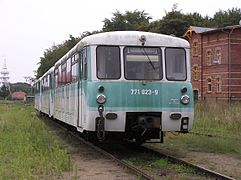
<point>101,98</point>
<point>185,99</point>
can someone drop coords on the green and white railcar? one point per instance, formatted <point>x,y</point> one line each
<point>129,85</point>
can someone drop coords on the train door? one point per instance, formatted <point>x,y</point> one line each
<point>51,89</point>
<point>82,82</point>
<point>79,106</point>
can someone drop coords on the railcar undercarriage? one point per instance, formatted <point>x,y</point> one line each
<point>143,126</point>
<point>140,127</point>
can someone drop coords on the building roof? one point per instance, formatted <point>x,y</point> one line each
<point>204,30</point>
<point>18,95</point>
<point>199,30</point>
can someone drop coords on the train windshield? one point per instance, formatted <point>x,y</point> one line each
<point>142,63</point>
<point>175,64</point>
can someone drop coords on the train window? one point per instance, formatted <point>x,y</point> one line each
<point>36,90</point>
<point>84,68</point>
<point>75,71</point>
<point>59,76</point>
<point>143,63</point>
<point>56,76</point>
<point>47,82</point>
<point>68,71</point>
<point>63,72</point>
<point>108,62</point>
<point>175,64</point>
<point>51,80</point>
<point>38,87</point>
<point>75,67</point>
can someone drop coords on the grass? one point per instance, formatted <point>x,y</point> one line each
<point>159,166</point>
<point>221,120</point>
<point>164,163</point>
<point>217,119</point>
<point>26,149</point>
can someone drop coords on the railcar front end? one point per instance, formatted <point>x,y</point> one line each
<point>138,92</point>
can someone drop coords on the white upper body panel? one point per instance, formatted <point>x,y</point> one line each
<point>127,38</point>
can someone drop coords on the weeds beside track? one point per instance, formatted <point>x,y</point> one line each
<point>26,148</point>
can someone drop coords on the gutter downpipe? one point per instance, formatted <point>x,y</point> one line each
<point>229,65</point>
<point>202,64</point>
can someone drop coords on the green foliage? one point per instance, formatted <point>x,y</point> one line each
<point>218,119</point>
<point>4,92</point>
<point>53,54</point>
<point>219,126</point>
<point>24,87</point>
<point>226,18</point>
<point>27,151</point>
<point>164,163</point>
<point>136,20</point>
<point>223,122</point>
<point>174,22</point>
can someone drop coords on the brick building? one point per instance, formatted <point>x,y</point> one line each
<point>215,62</point>
<point>19,96</point>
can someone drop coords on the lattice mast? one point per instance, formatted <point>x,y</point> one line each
<point>4,75</point>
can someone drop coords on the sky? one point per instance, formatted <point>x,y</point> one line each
<point>29,27</point>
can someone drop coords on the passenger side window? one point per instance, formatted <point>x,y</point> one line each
<point>175,64</point>
<point>108,62</point>
<point>84,69</point>
<point>75,68</point>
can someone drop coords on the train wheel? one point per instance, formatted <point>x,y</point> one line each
<point>91,137</point>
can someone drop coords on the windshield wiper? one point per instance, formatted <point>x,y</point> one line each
<point>152,65</point>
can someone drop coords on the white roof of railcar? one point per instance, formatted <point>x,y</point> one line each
<point>127,38</point>
<point>132,38</point>
<point>46,73</point>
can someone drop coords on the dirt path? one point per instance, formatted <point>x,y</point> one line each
<point>87,163</point>
<point>217,162</point>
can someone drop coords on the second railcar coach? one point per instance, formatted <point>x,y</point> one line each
<point>130,85</point>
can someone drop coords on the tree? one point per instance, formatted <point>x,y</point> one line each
<point>136,20</point>
<point>226,18</point>
<point>53,54</point>
<point>24,87</point>
<point>174,22</point>
<point>196,19</point>
<point>4,92</point>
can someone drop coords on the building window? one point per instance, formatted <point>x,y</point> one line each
<point>209,81</point>
<point>219,84</point>
<point>209,56</point>
<point>195,47</point>
<point>218,56</point>
<point>195,94</point>
<point>195,72</point>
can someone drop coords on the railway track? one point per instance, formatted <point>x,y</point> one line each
<point>214,135</point>
<point>206,173</point>
<point>134,170</point>
<point>140,174</point>
<point>199,169</point>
